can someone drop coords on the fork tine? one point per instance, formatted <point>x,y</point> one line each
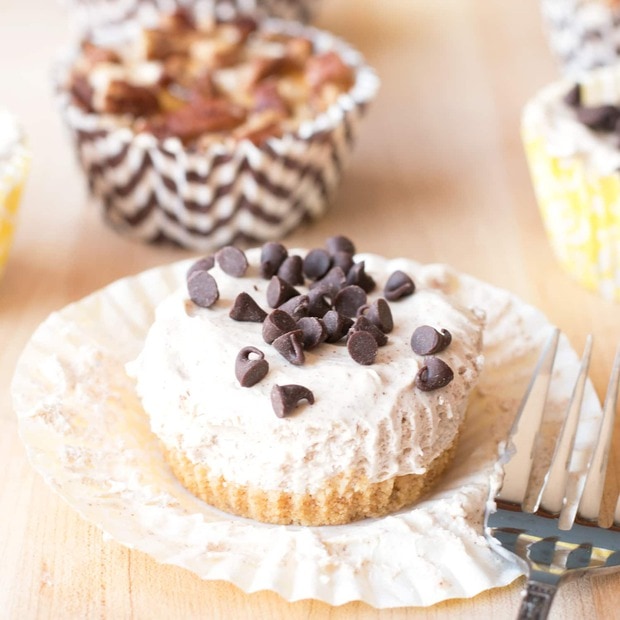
<point>589,505</point>
<point>526,425</point>
<point>552,494</point>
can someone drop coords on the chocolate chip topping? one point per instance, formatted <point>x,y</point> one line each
<point>291,270</point>
<point>433,375</point>
<point>349,299</point>
<point>297,306</point>
<point>317,263</point>
<point>250,371</point>
<point>362,347</point>
<point>364,325</point>
<point>318,303</point>
<point>339,243</point>
<point>380,314</point>
<point>203,264</point>
<point>336,325</point>
<point>331,282</point>
<point>344,260</point>
<point>279,291</point>
<point>271,257</point>
<point>357,275</point>
<point>399,285</point>
<point>573,97</point>
<point>285,398</point>
<point>314,331</point>
<point>246,309</point>
<point>599,118</point>
<point>202,289</point>
<point>290,346</point>
<point>276,324</point>
<point>232,261</point>
<point>426,340</point>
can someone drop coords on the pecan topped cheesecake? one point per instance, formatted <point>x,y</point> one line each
<point>204,82</point>
<point>314,387</point>
<point>208,133</point>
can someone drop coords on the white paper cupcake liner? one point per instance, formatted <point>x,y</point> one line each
<point>229,193</point>
<point>87,434</point>
<point>582,34</point>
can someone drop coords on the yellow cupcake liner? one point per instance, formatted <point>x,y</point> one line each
<point>580,211</point>
<point>12,180</point>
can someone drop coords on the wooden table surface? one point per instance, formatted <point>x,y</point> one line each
<point>438,175</point>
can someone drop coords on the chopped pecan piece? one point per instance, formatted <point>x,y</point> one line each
<point>260,127</point>
<point>298,50</point>
<point>261,68</point>
<point>328,68</point>
<point>158,45</point>
<point>267,97</point>
<point>95,54</point>
<point>201,116</point>
<point>124,98</point>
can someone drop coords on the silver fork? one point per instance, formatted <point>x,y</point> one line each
<point>550,522</point>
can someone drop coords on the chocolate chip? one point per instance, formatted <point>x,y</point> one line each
<point>232,261</point>
<point>433,375</point>
<point>279,291</point>
<point>331,282</point>
<point>344,260</point>
<point>349,299</point>
<point>203,264</point>
<point>297,306</point>
<point>426,340</point>
<point>599,118</point>
<point>318,303</point>
<point>285,398</point>
<point>291,270</point>
<point>364,325</point>
<point>316,264</point>
<point>357,275</point>
<point>362,347</point>
<point>337,326</point>
<point>380,314</point>
<point>271,257</point>
<point>314,331</point>
<point>290,346</point>
<point>399,285</point>
<point>276,324</point>
<point>339,243</point>
<point>573,97</point>
<point>202,289</point>
<point>246,309</point>
<point>250,371</point>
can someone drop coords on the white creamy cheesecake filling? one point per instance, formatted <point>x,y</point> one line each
<point>370,420</point>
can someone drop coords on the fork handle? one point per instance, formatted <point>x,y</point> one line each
<point>537,599</point>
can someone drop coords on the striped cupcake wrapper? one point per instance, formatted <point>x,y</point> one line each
<point>237,192</point>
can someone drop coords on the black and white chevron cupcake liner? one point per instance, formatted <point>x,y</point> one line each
<point>582,34</point>
<point>232,192</point>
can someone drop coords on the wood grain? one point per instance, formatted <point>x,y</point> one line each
<point>438,175</point>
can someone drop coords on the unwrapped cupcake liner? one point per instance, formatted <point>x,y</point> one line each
<point>13,172</point>
<point>87,434</point>
<point>582,34</point>
<point>230,192</point>
<point>577,184</point>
